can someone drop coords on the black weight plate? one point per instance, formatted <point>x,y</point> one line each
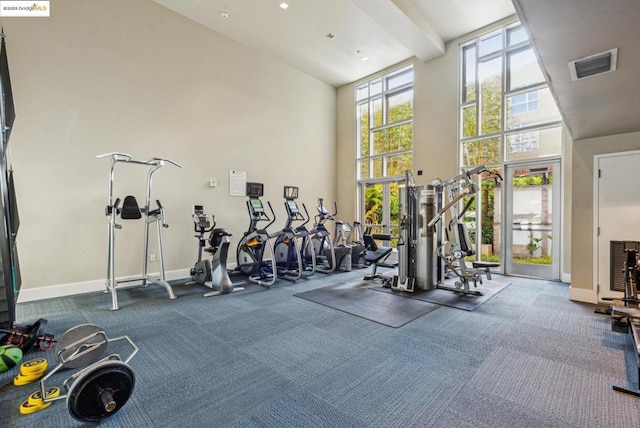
<point>84,400</point>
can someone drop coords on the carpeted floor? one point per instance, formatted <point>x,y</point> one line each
<point>528,357</point>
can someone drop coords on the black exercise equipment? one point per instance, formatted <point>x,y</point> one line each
<point>375,254</point>
<point>29,336</point>
<point>256,242</point>
<point>328,257</point>
<point>10,279</point>
<point>626,317</point>
<point>211,273</point>
<point>103,386</point>
<point>292,243</point>
<point>355,239</point>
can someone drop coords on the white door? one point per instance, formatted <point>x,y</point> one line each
<point>618,210</point>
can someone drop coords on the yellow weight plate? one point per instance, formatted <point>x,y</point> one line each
<point>21,379</point>
<point>26,408</point>
<point>32,367</point>
<point>35,399</point>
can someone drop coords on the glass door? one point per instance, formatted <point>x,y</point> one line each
<point>380,207</point>
<point>532,203</point>
<point>483,217</point>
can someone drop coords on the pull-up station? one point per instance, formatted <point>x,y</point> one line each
<point>130,210</point>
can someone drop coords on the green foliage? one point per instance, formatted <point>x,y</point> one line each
<point>542,260</point>
<point>485,258</point>
<point>531,180</point>
<point>386,141</point>
<point>486,151</point>
<point>534,244</point>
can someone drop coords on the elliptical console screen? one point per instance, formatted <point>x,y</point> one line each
<point>293,207</point>
<point>256,205</point>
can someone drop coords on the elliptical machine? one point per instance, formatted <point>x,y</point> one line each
<point>211,273</point>
<point>291,242</point>
<point>255,242</point>
<point>328,256</point>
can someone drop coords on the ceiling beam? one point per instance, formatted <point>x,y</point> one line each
<point>405,23</point>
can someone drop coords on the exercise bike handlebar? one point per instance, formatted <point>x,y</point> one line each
<point>202,230</point>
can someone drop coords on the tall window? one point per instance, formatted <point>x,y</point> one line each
<point>384,114</point>
<point>384,109</point>
<point>506,109</point>
<point>508,117</point>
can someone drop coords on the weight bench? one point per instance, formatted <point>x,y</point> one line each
<point>486,267</point>
<point>375,255</point>
<point>633,315</point>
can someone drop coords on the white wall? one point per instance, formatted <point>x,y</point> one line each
<point>582,283</point>
<point>118,75</point>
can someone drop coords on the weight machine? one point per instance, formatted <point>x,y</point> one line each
<point>423,259</point>
<point>131,211</point>
<point>456,189</point>
<point>416,258</point>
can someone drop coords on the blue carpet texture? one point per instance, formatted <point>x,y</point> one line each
<point>528,357</point>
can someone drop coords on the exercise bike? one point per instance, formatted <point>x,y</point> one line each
<point>252,248</point>
<point>211,273</point>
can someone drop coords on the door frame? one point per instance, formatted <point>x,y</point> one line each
<point>533,271</point>
<point>386,196</point>
<point>596,221</point>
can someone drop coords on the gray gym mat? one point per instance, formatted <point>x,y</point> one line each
<point>357,298</point>
<point>467,302</point>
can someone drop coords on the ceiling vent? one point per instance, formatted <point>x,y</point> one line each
<point>603,62</point>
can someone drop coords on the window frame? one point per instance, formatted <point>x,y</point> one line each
<point>383,95</point>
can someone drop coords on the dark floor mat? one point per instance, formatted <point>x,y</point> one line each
<point>357,298</point>
<point>467,302</point>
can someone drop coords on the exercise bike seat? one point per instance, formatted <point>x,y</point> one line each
<point>216,237</point>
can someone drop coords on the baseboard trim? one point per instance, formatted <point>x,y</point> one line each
<point>565,277</point>
<point>72,289</point>
<point>583,295</point>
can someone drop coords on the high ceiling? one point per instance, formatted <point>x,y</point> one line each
<point>330,39</point>
<point>384,32</point>
<point>563,31</point>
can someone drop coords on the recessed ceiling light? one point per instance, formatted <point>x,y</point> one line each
<point>364,58</point>
<point>283,6</point>
<point>224,15</point>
